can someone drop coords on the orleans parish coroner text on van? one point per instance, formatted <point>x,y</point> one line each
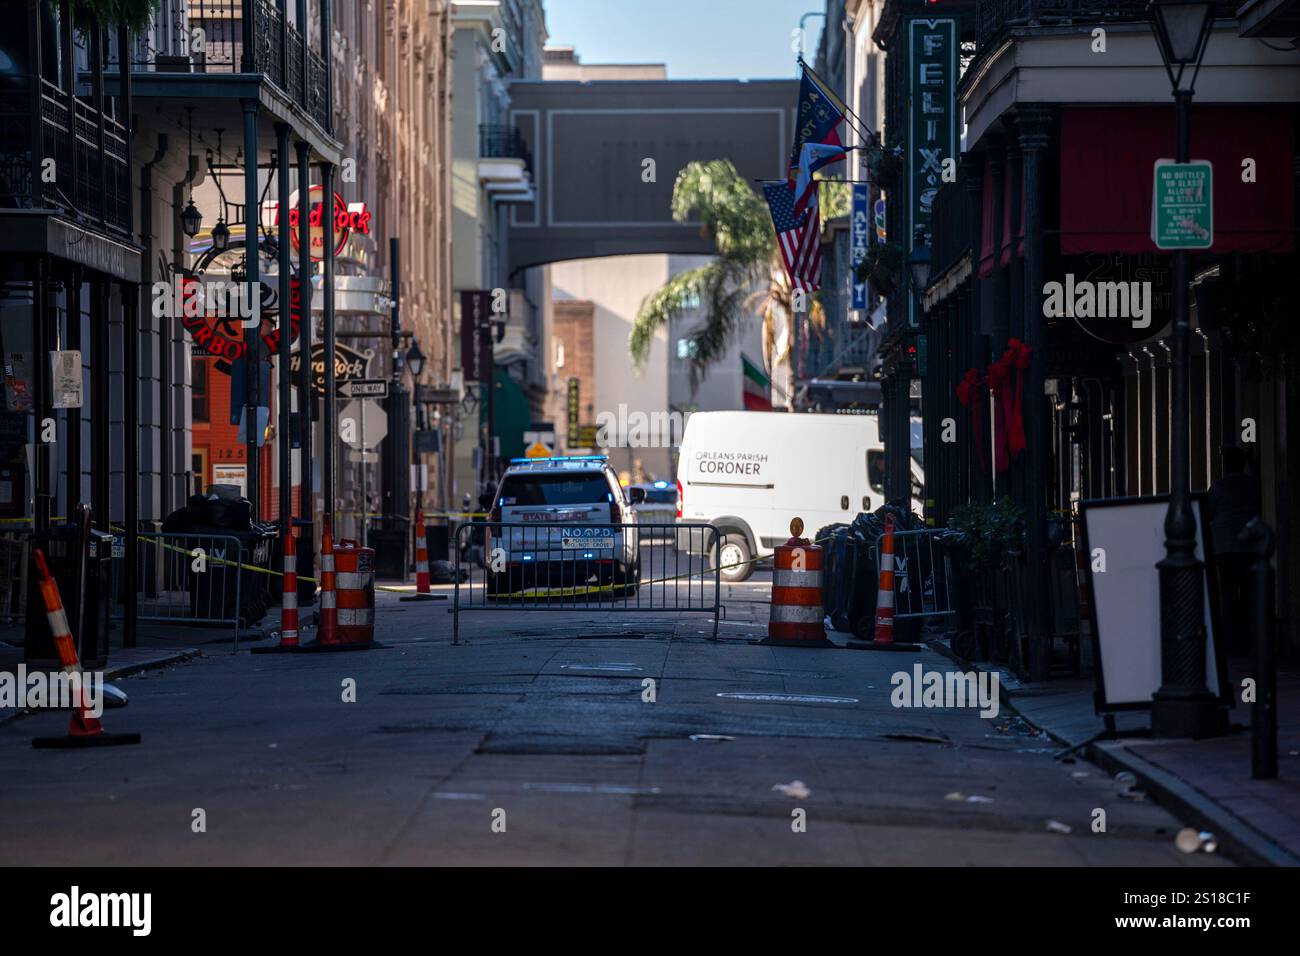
<point>729,462</point>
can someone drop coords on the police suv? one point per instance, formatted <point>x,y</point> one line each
<point>563,523</point>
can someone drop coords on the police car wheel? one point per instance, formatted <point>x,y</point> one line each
<point>734,556</point>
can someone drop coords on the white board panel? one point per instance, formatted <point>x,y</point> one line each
<point>1126,598</point>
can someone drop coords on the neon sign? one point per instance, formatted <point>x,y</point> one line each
<point>346,219</point>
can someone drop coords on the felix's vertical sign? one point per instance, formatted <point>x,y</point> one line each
<point>931,121</point>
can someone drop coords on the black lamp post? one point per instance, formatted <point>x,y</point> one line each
<point>1183,706</point>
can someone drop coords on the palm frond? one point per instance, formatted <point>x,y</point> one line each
<point>726,292</point>
<point>675,296</point>
<point>729,211</point>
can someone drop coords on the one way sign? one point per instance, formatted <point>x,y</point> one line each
<point>362,388</point>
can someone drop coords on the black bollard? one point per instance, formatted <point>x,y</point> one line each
<point>1263,712</point>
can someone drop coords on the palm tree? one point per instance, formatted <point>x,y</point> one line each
<point>747,278</point>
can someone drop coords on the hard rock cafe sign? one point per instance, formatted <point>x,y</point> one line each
<point>345,219</point>
<point>349,363</point>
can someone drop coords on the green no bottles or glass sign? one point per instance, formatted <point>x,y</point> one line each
<point>1182,205</point>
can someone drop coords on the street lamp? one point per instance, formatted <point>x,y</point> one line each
<point>1183,706</point>
<point>918,263</point>
<point>220,236</point>
<point>415,360</point>
<point>1182,29</point>
<point>191,219</point>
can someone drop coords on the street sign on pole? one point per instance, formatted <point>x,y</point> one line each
<point>362,388</point>
<point>539,443</point>
<point>1182,205</point>
<point>363,424</point>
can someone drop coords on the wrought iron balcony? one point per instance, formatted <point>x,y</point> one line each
<point>498,141</point>
<point>213,36</point>
<point>85,180</point>
<point>997,16</point>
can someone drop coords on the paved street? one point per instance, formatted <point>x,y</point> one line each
<point>540,715</point>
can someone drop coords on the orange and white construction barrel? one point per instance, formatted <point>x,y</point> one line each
<point>797,608</point>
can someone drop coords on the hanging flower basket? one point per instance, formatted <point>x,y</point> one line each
<point>880,267</point>
<point>889,169</point>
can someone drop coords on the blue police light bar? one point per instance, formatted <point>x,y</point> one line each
<point>661,483</point>
<point>525,461</point>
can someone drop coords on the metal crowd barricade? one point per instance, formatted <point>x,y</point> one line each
<point>630,567</point>
<point>170,587</point>
<point>922,573</point>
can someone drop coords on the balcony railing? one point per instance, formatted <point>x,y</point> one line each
<point>86,181</point>
<point>996,16</point>
<point>497,141</point>
<point>209,36</point>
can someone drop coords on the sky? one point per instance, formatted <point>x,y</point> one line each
<point>698,39</point>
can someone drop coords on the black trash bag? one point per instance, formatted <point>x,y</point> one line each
<point>444,572</point>
<point>837,574</point>
<point>211,511</point>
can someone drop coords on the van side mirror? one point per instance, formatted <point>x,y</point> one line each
<point>636,495</point>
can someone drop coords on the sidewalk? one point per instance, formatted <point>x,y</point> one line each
<point>156,646</point>
<point>1207,781</point>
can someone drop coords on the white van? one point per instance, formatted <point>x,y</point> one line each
<point>749,473</point>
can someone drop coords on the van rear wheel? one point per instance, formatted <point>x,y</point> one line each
<point>735,558</point>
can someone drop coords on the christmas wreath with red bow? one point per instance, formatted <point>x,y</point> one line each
<point>970,392</point>
<point>1006,378</point>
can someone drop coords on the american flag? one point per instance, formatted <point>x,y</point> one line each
<point>799,237</point>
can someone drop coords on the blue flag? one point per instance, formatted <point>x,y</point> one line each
<point>820,112</point>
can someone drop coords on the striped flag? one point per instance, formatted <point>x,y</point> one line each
<point>757,386</point>
<point>799,237</point>
<point>813,157</point>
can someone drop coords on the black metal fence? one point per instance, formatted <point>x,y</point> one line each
<point>513,566</point>
<point>212,36</point>
<point>498,141</point>
<point>995,16</point>
<point>56,162</point>
<point>189,579</point>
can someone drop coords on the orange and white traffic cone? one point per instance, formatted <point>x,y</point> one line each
<point>85,729</point>
<point>288,598</point>
<point>884,629</point>
<point>327,630</point>
<point>885,588</point>
<point>421,556</point>
<point>422,590</point>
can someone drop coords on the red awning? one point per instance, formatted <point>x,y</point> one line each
<point>1107,161</point>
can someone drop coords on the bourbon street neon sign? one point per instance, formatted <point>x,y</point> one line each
<point>347,218</point>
